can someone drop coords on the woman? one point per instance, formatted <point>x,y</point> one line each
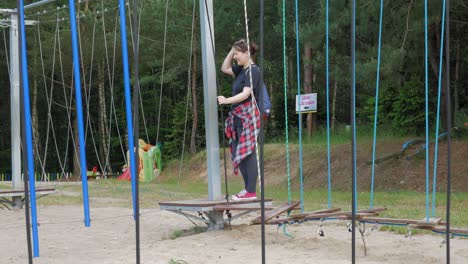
<point>243,122</point>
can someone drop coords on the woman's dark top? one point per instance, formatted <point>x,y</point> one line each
<point>243,80</point>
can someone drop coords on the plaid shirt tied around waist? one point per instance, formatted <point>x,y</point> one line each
<point>248,137</point>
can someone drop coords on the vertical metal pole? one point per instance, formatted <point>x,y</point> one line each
<point>262,135</point>
<point>301,186</point>
<point>15,108</point>
<point>24,156</point>
<point>136,96</point>
<point>210,101</point>
<point>79,111</point>
<point>353,127</point>
<point>449,126</point>
<point>27,125</point>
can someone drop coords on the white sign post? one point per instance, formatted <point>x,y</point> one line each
<point>308,103</point>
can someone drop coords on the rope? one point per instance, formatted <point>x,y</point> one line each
<point>188,92</point>
<point>111,76</point>
<point>252,93</point>
<point>162,72</point>
<point>99,219</point>
<point>376,106</point>
<point>108,131</point>
<point>88,92</point>
<point>299,103</point>
<point>288,163</point>
<point>6,53</point>
<point>68,105</point>
<point>133,47</point>
<point>50,122</point>
<point>426,66</point>
<point>112,91</point>
<point>439,91</point>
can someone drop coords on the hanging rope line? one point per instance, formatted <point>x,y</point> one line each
<point>253,100</point>
<point>6,53</point>
<point>68,104</point>
<point>49,98</point>
<point>376,106</point>
<point>88,91</point>
<point>298,68</point>
<point>162,71</point>
<point>189,76</point>
<point>111,80</point>
<point>133,47</point>
<point>439,92</point>
<point>112,90</point>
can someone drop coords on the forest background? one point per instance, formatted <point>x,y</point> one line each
<point>171,110</point>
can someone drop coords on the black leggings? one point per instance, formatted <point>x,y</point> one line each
<point>248,166</point>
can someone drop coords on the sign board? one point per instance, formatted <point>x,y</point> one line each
<point>308,103</point>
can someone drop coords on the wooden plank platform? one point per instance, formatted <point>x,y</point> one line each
<point>427,223</point>
<point>360,214</point>
<point>277,211</point>
<point>383,220</point>
<point>459,231</point>
<point>207,205</point>
<point>244,207</point>
<point>313,215</point>
<point>323,211</point>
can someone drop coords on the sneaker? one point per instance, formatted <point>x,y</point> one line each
<point>239,194</point>
<point>246,197</point>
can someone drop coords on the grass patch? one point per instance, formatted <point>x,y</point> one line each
<point>187,232</point>
<point>177,261</point>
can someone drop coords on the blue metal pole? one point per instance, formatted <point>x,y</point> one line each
<point>128,101</point>
<point>28,129</point>
<point>79,111</point>
<point>299,105</point>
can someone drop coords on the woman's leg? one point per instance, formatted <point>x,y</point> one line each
<point>250,166</point>
<point>242,168</point>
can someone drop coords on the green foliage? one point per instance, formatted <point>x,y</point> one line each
<point>175,136</point>
<point>406,115</point>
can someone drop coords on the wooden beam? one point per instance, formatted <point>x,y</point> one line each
<point>244,208</point>
<point>277,211</point>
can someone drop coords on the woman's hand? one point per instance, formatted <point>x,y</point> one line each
<point>222,100</point>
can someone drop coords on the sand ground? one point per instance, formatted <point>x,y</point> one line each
<point>111,239</point>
